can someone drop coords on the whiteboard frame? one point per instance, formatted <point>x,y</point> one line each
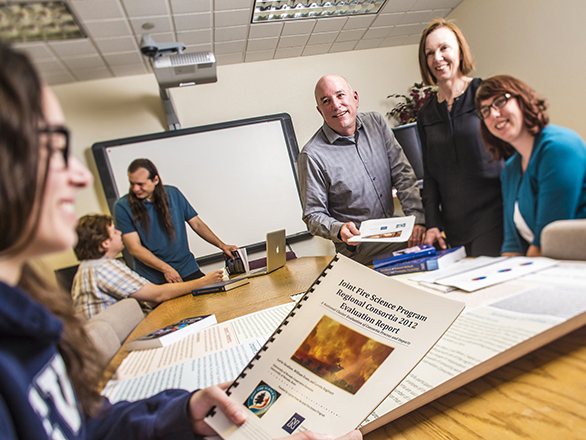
<point>106,174</point>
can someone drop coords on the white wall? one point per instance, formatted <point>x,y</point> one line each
<point>541,42</point>
<point>115,108</point>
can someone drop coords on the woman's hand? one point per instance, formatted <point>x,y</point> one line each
<point>202,401</point>
<point>434,235</point>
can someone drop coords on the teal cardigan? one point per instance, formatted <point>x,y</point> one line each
<point>553,186</point>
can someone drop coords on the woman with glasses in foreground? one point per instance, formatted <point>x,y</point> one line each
<point>49,371</point>
<point>545,178</point>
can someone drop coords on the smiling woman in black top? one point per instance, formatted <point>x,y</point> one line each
<point>461,189</point>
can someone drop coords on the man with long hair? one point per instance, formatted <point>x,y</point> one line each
<point>101,280</point>
<point>152,220</point>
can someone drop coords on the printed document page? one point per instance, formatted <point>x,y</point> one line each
<point>479,335</point>
<point>212,369</point>
<point>218,337</point>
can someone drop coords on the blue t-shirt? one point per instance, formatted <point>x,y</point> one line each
<point>175,253</point>
<point>553,187</point>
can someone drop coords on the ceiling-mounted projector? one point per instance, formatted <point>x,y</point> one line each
<point>185,69</point>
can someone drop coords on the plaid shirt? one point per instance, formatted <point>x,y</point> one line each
<point>98,284</point>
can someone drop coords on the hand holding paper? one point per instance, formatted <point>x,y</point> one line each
<point>385,230</point>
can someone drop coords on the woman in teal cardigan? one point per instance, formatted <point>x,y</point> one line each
<point>545,178</point>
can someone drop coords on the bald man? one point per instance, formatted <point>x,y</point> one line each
<point>347,172</point>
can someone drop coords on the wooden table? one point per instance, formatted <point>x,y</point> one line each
<point>539,396</point>
<point>263,292</point>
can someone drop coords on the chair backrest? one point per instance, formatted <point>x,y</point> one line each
<point>564,240</point>
<point>110,328</point>
<point>408,136</point>
<point>65,277</point>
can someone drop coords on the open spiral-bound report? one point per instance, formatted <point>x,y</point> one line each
<point>352,338</point>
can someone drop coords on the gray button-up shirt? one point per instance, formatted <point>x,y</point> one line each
<point>351,178</point>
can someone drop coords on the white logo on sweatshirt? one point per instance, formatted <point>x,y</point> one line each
<point>52,384</point>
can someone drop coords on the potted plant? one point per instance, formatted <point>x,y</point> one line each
<point>406,114</point>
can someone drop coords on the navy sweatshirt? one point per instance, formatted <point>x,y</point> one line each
<point>37,400</point>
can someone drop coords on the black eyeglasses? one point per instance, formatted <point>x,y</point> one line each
<point>498,103</point>
<point>57,141</point>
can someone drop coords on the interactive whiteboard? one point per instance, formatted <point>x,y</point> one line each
<point>240,177</point>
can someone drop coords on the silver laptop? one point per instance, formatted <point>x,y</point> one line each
<point>276,254</point>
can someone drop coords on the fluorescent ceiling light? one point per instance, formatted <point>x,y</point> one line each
<point>280,10</point>
<point>38,21</point>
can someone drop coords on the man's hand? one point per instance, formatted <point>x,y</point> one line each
<point>202,401</point>
<point>213,277</point>
<point>347,231</point>
<point>417,236</point>
<point>171,275</point>
<point>228,249</point>
<point>432,235</point>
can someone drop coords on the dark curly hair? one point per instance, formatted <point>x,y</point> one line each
<point>533,108</point>
<point>92,231</point>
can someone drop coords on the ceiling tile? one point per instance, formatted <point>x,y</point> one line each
<point>265,30</point>
<point>316,49</point>
<point>224,5</point>
<point>260,55</point>
<point>231,33</point>
<point>109,28</point>
<point>52,66</point>
<point>161,24</point>
<point>293,41</point>
<point>359,22</point>
<point>326,37</point>
<point>231,58</point>
<point>395,41</point>
<point>97,9</point>
<point>343,46</point>
<point>388,19</point>
<point>369,44</point>
<point>351,35</point>
<point>119,44</point>
<point>408,29</point>
<point>190,22</point>
<point>415,17</point>
<point>88,75</point>
<point>146,8</point>
<point>263,44</point>
<point>398,6</point>
<point>129,69</point>
<point>57,78</point>
<point>229,47</point>
<point>435,4</point>
<point>122,58</point>
<point>329,25</point>
<point>38,51</point>
<point>73,48</point>
<point>201,36</point>
<point>84,63</point>
<point>298,27</point>
<point>232,18</point>
<point>289,52</point>
<point>381,32</point>
<point>190,6</point>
